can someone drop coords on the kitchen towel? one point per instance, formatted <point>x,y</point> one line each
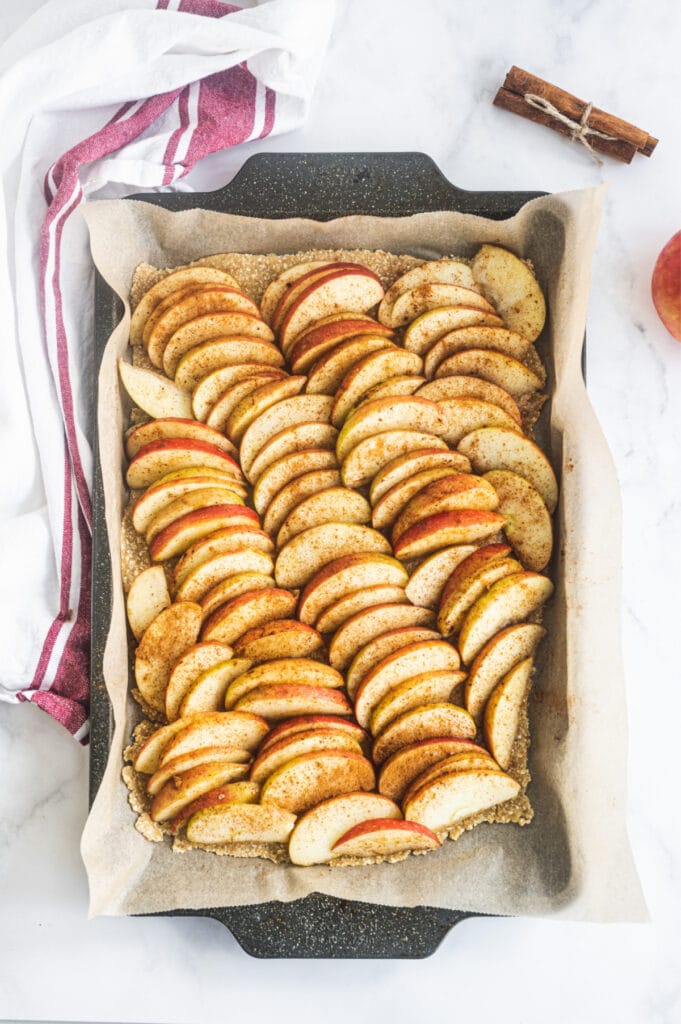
<point>101,98</point>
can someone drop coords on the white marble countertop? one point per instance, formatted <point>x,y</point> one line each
<point>406,76</point>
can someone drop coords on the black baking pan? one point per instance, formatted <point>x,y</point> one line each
<point>319,186</point>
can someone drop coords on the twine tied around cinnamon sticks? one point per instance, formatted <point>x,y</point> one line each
<point>539,101</point>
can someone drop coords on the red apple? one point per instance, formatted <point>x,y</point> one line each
<point>666,286</point>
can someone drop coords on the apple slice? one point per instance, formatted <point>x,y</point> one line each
<point>187,669</point>
<point>447,800</point>
<point>433,272</point>
<point>281,284</point>
<point>423,298</point>
<point>497,338</point>
<point>153,393</point>
<point>503,711</point>
<point>301,285</point>
<point>280,701</point>
<point>470,581</point>
<point>164,456</point>
<point>294,440</point>
<point>204,755</point>
<point>333,617</point>
<point>233,793</point>
<point>427,581</point>
<point>183,279</point>
<point>147,598</point>
<point>496,659</point>
<point>374,368</point>
<point>316,831</point>
<point>384,837</point>
<point>289,747</point>
<point>528,523</point>
<point>408,763</point>
<point>284,638</point>
<point>312,723</point>
<point>287,413</point>
<point>166,427</point>
<point>365,460</point>
<point>320,339</point>
<point>510,284</point>
<point>404,386</point>
<point>300,488</point>
<point>308,779</point>
<point>431,687</point>
<point>206,693</point>
<point>232,538</point>
<point>504,371</point>
<point>253,608</point>
<point>304,555</point>
<point>429,327</point>
<point>494,448</point>
<point>253,405</point>
<point>213,571</point>
<point>233,587</point>
<point>149,755</point>
<point>302,671</point>
<point>471,387</point>
<point>464,415</point>
<point>289,468</point>
<point>214,403</point>
<point>449,494</point>
<point>203,498</point>
<point>204,330</point>
<point>171,633</point>
<point>327,373</point>
<point>462,762</point>
<point>351,290</point>
<point>369,655</point>
<point>506,603</point>
<point>187,307</point>
<point>405,467</point>
<point>183,789</point>
<point>393,413</point>
<point>216,352</point>
<point>466,570</point>
<point>426,722</point>
<point>366,625</point>
<point>169,488</point>
<point>393,502</point>
<point>333,505</point>
<point>240,823</point>
<point>165,304</point>
<point>214,729</point>
<point>445,528</point>
<point>345,575</point>
<point>192,527</point>
<point>403,664</point>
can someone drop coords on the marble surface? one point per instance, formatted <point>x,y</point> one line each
<point>405,76</point>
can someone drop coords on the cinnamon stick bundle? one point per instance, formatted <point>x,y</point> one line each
<point>539,101</point>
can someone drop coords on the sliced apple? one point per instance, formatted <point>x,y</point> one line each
<point>203,498</point>
<point>333,505</point>
<point>471,387</point>
<point>308,779</point>
<point>280,701</point>
<point>510,284</point>
<point>204,755</point>
<point>503,711</point>
<point>449,494</point>
<point>393,413</point>
<point>408,763</point>
<point>431,687</point>
<point>214,728</point>
<point>310,550</point>
<point>384,837</point>
<point>161,457</point>
<point>187,669</point>
<point>301,286</point>
<point>447,800</point>
<point>240,823</point>
<point>233,793</point>
<point>186,277</point>
<point>462,762</point>
<point>316,831</point>
<point>464,415</point>
<point>284,638</point>
<point>333,617</point>
<point>427,328</point>
<point>444,529</point>
<point>199,303</point>
<point>300,488</point>
<point>233,587</point>
<point>528,523</point>
<point>429,721</point>
<point>392,503</point>
<point>496,659</point>
<point>166,427</point>
<point>374,651</point>
<point>506,603</point>
<point>504,371</point>
<point>494,448</point>
<point>255,404</point>
<point>444,271</point>
<point>299,743</point>
<point>286,413</point>
<point>497,338</point>
<point>470,581</point>
<point>428,579</point>
<point>183,789</point>
<point>149,755</point>
<point>293,440</point>
<point>231,538</point>
<point>147,598</point>
<point>312,723</point>
<point>152,393</point>
<point>327,373</point>
<point>192,527</point>
<point>170,634</point>
<point>204,330</point>
<point>351,290</point>
<point>369,456</point>
<point>170,487</point>
<point>366,625</point>
<point>372,369</point>
<point>207,692</point>
<point>254,608</point>
<point>404,467</point>
<point>403,664</point>
<point>403,385</point>
<point>320,339</point>
<point>285,671</point>
<point>281,284</point>
<point>216,351</point>
<point>213,571</point>
<point>425,297</point>
<point>345,575</point>
<point>165,304</point>
<point>289,468</point>
<point>216,395</point>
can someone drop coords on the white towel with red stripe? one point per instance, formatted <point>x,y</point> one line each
<point>102,97</point>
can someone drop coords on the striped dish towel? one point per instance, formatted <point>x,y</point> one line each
<point>101,98</point>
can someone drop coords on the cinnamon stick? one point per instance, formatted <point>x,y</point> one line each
<point>623,139</point>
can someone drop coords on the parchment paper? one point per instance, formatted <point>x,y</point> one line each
<point>574,859</point>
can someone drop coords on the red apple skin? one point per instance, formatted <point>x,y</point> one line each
<point>306,723</point>
<point>481,557</point>
<point>219,795</point>
<point>380,824</point>
<point>666,286</point>
<point>217,512</point>
<point>173,443</point>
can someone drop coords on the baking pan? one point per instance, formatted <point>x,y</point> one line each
<point>319,186</point>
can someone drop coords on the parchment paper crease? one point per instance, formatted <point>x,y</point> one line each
<point>573,860</point>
